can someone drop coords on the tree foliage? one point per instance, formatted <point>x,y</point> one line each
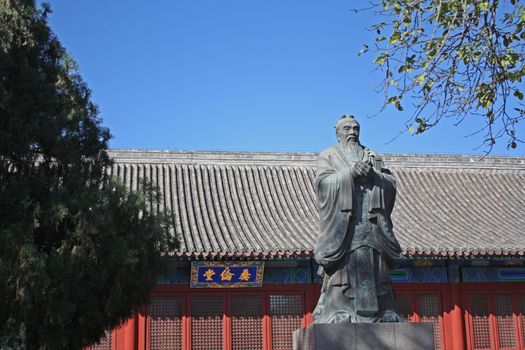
<point>78,251</point>
<point>454,58</point>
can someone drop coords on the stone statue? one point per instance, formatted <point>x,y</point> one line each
<point>356,248</point>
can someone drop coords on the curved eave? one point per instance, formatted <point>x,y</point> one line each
<point>409,253</point>
<point>246,255</point>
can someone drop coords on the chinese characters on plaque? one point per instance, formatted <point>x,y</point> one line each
<point>226,274</point>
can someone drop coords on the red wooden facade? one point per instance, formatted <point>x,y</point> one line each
<point>465,316</point>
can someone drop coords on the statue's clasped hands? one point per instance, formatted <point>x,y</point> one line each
<point>361,169</point>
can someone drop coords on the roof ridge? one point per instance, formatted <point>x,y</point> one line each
<point>308,159</point>
<point>454,161</point>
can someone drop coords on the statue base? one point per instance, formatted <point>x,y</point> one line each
<point>364,336</point>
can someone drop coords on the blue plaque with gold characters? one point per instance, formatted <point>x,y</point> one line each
<point>226,274</point>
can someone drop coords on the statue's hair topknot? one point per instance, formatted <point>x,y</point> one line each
<point>343,118</point>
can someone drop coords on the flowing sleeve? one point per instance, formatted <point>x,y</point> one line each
<point>334,186</point>
<point>383,192</point>
<point>386,189</point>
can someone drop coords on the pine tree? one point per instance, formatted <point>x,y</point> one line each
<point>78,252</point>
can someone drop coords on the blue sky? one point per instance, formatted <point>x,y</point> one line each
<point>239,75</point>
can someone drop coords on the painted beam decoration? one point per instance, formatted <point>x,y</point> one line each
<point>226,274</point>
<point>493,274</point>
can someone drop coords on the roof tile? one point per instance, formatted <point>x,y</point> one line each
<point>258,204</point>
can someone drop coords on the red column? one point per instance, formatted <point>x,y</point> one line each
<point>227,323</point>
<point>267,326</point>
<point>456,317</point>
<point>312,296</point>
<point>126,336</point>
<point>142,330</point>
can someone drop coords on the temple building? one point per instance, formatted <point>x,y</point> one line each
<point>244,276</point>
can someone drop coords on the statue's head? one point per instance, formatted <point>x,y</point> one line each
<point>347,130</point>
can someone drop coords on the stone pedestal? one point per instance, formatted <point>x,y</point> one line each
<point>365,336</point>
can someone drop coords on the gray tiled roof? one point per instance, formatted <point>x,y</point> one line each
<point>245,204</point>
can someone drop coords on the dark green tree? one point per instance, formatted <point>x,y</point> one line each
<point>78,252</point>
<point>454,59</point>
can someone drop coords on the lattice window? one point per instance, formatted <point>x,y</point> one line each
<point>206,322</point>
<point>505,321</point>
<point>480,321</point>
<point>166,323</point>
<point>429,312</point>
<point>404,306</point>
<point>247,322</point>
<point>104,343</point>
<point>286,313</point>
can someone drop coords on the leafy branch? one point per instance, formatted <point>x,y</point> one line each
<point>453,59</point>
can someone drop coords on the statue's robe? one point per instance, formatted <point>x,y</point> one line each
<point>356,246</point>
